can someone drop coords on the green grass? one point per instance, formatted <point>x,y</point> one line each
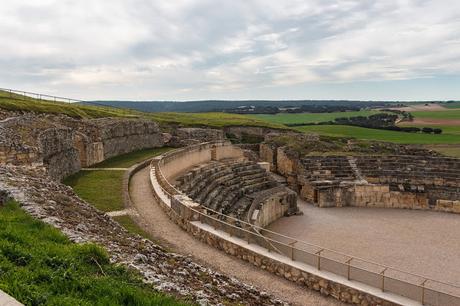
<point>18,102</point>
<point>380,135</point>
<point>130,159</point>
<point>128,223</point>
<point>40,266</point>
<point>309,117</point>
<point>101,188</point>
<point>448,114</point>
<point>448,150</point>
<point>216,120</point>
<point>451,105</point>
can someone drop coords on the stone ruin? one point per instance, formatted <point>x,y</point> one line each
<point>240,189</point>
<point>64,145</point>
<point>426,182</point>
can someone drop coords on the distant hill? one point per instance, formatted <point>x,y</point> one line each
<point>222,105</point>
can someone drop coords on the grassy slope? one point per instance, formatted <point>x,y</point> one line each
<point>451,105</point>
<point>381,135</point>
<point>130,159</point>
<point>17,102</point>
<point>100,188</point>
<point>449,150</point>
<point>103,189</point>
<point>211,119</point>
<point>40,266</point>
<point>310,117</point>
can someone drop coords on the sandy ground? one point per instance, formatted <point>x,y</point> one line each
<point>153,220</point>
<point>420,242</point>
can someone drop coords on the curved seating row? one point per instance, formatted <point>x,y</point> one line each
<point>228,187</point>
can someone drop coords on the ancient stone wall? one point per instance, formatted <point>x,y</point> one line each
<point>124,136</point>
<point>181,137</point>
<point>267,153</point>
<point>63,145</point>
<point>57,152</point>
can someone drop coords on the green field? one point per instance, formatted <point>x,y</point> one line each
<point>100,188</point>
<point>40,266</point>
<point>217,120</point>
<point>130,159</point>
<point>309,117</point>
<point>103,188</point>
<point>17,102</point>
<point>448,114</point>
<point>381,135</point>
<point>451,105</point>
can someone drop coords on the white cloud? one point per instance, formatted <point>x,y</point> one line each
<point>205,48</point>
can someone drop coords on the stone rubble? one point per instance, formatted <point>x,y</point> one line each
<point>57,204</point>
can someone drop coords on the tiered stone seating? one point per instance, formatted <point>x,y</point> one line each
<point>227,186</point>
<point>433,178</point>
<point>442,172</point>
<point>327,168</point>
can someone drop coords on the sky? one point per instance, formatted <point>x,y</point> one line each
<point>219,49</point>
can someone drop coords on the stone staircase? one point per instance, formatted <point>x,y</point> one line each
<point>359,176</point>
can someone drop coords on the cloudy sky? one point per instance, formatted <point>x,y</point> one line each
<point>232,49</point>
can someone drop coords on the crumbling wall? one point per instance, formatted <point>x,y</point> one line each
<point>181,137</point>
<point>58,153</point>
<point>267,153</point>
<point>124,136</point>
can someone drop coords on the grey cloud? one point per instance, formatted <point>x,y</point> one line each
<point>206,49</point>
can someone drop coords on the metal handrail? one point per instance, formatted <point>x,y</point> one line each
<point>205,211</point>
<point>39,96</point>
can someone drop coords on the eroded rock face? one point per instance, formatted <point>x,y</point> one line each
<point>63,145</point>
<point>189,136</point>
<point>56,204</point>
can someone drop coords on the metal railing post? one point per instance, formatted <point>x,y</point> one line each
<point>383,279</point>
<point>348,262</point>
<point>423,292</point>
<point>292,249</point>
<point>319,258</point>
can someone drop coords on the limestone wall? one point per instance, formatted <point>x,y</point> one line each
<point>124,136</point>
<point>181,137</point>
<point>63,145</point>
<point>58,154</point>
<point>196,155</point>
<point>270,210</point>
<point>267,153</point>
<point>377,196</point>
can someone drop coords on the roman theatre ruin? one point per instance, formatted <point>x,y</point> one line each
<point>366,229</point>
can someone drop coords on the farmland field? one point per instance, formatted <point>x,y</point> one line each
<point>382,135</point>
<point>310,117</point>
<point>451,114</point>
<point>452,105</point>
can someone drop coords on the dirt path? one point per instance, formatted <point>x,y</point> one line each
<point>155,222</point>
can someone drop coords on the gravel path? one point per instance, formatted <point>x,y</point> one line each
<point>153,220</point>
<point>420,242</point>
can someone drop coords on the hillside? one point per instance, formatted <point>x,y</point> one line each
<point>15,102</point>
<point>221,105</point>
